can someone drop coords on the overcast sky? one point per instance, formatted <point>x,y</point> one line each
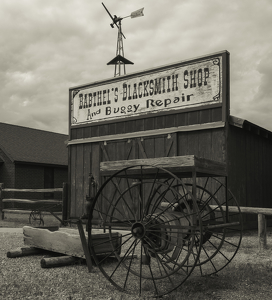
<point>48,46</point>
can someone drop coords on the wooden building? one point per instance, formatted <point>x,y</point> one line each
<point>175,110</point>
<point>31,158</point>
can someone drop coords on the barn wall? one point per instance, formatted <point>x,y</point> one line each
<point>85,158</point>
<point>7,170</point>
<point>250,166</point>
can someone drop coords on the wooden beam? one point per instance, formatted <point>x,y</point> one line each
<point>67,241</point>
<point>156,132</point>
<point>246,210</point>
<point>175,164</point>
<point>34,190</point>
<point>84,245</point>
<point>47,201</point>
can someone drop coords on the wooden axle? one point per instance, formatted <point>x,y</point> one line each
<point>19,252</point>
<point>52,262</point>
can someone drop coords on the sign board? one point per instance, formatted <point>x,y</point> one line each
<point>185,85</point>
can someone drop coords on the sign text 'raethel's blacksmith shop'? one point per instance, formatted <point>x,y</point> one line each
<point>184,85</point>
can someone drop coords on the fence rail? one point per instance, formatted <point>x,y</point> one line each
<point>33,202</point>
<point>261,212</point>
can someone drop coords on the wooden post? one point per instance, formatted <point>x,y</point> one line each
<point>262,232</point>
<point>64,202</point>
<point>84,245</point>
<point>1,203</point>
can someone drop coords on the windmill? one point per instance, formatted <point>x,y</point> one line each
<point>120,60</point>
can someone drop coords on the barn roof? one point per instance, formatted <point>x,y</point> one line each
<point>28,145</point>
<point>246,125</point>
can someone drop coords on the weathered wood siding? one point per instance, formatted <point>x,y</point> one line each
<point>250,165</point>
<point>203,116</point>
<point>85,158</point>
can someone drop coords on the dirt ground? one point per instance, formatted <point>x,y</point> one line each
<point>248,276</point>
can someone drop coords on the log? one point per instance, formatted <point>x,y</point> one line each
<point>52,262</point>
<point>19,252</point>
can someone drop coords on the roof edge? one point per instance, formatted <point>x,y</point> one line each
<point>40,164</point>
<point>244,124</point>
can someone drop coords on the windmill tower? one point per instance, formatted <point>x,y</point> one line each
<point>120,61</point>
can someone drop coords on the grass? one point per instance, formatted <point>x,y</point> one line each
<point>248,276</point>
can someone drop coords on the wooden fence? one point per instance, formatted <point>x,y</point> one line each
<point>33,203</point>
<point>261,212</point>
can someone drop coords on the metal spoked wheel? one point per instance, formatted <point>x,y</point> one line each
<point>158,242</point>
<point>36,218</point>
<point>221,223</point>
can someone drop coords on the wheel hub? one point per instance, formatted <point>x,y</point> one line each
<point>138,230</point>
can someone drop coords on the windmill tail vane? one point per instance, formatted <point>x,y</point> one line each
<point>137,13</point>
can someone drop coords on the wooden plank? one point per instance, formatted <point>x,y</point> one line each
<point>141,148</point>
<point>95,163</point>
<point>156,132</point>
<point>65,241</point>
<point>149,146</point>
<point>86,172</point>
<point>205,116</point>
<point>175,164</point>
<point>205,144</point>
<point>65,210</point>
<point>219,145</point>
<point>216,114</point>
<point>149,123</point>
<point>182,119</point>
<point>193,117</point>
<point>160,146</point>
<point>34,190</point>
<point>26,212</point>
<point>193,143</point>
<point>72,208</point>
<point>79,209</point>
<point>182,143</point>
<point>246,210</point>
<point>47,201</point>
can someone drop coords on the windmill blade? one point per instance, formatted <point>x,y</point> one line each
<point>113,19</point>
<point>108,12</point>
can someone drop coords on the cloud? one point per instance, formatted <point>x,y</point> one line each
<point>48,46</point>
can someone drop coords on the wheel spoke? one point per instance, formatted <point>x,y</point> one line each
<point>128,271</point>
<point>123,258</point>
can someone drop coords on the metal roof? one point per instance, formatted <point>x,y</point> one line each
<point>28,145</point>
<point>244,124</point>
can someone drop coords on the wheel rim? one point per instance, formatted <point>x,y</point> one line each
<point>219,245</point>
<point>164,240</point>
<point>36,218</point>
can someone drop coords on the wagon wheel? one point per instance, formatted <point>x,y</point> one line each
<point>36,218</point>
<point>222,231</point>
<point>151,258</point>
